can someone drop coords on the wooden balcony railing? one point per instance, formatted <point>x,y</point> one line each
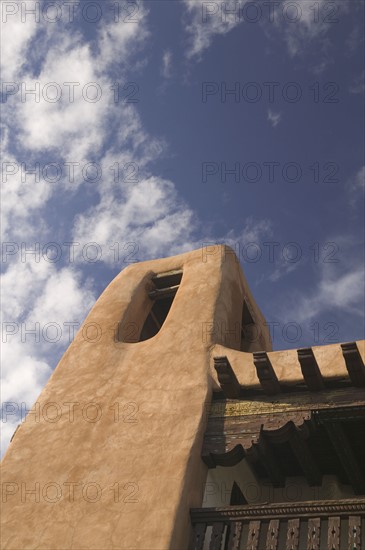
<point>316,525</point>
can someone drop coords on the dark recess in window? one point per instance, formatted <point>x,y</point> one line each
<point>166,286</point>
<point>247,327</point>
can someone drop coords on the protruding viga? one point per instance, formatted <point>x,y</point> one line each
<point>109,457</point>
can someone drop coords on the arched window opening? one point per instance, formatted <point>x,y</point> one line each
<point>166,286</point>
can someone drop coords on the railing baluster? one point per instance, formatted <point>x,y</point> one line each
<point>228,526</point>
<point>272,535</point>
<point>354,533</point>
<point>292,537</point>
<point>253,535</point>
<point>334,533</point>
<point>235,532</point>
<point>198,537</point>
<point>217,535</point>
<point>314,534</point>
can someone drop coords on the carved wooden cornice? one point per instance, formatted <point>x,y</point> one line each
<point>253,440</point>
<point>229,439</point>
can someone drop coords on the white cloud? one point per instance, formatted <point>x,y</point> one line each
<point>356,39</point>
<point>339,286</point>
<point>21,196</point>
<point>121,41</point>
<point>303,23</point>
<point>311,32</point>
<point>204,21</point>
<point>75,129</point>
<point>149,213</point>
<point>35,292</point>
<point>356,188</point>
<point>283,269</point>
<point>256,230</point>
<point>358,85</point>
<point>253,233</point>
<point>16,35</point>
<point>299,24</point>
<point>68,130</point>
<point>167,64</point>
<point>78,123</point>
<point>76,299</point>
<point>342,292</point>
<point>273,118</point>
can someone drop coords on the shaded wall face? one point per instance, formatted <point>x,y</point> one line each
<point>220,480</point>
<point>120,467</point>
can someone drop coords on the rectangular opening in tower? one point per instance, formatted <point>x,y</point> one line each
<point>166,287</point>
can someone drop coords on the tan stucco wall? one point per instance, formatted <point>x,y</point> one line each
<point>165,379</point>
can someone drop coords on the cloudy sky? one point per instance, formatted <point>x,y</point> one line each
<point>137,130</point>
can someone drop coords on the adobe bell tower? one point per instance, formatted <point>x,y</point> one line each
<point>110,455</point>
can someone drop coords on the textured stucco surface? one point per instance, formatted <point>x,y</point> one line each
<point>167,381</point>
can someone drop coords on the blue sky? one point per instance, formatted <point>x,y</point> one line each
<point>141,112</point>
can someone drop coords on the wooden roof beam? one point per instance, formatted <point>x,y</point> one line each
<point>163,292</point>
<point>227,378</point>
<point>265,372</point>
<point>310,369</point>
<point>354,363</point>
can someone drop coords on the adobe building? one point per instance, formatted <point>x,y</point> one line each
<point>170,423</point>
